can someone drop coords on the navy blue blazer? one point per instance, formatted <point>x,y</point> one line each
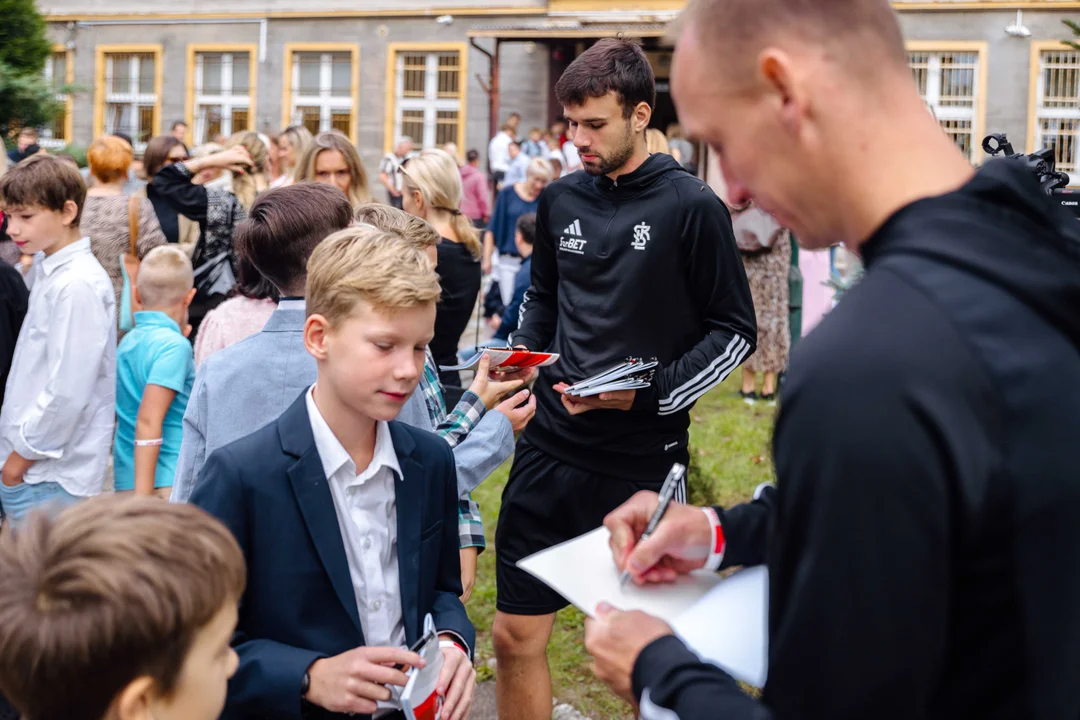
<point>269,488</point>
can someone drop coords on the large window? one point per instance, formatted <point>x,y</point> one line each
<point>1056,121</point>
<point>428,85</point>
<point>128,90</point>
<point>321,88</point>
<point>949,81</point>
<point>223,87</point>
<point>57,134</point>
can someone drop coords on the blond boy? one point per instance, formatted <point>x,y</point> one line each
<point>475,434</point>
<point>347,517</point>
<point>121,608</point>
<point>155,369</point>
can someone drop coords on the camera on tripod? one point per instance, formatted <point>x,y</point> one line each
<point>1042,165</point>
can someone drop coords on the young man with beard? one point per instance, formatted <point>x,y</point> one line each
<point>922,541</point>
<point>633,258</point>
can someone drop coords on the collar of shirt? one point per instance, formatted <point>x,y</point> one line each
<point>334,456</point>
<point>65,255</point>
<point>153,318</point>
<point>292,304</point>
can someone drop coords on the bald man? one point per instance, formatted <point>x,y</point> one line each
<point>923,544</point>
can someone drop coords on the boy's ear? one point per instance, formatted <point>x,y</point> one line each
<point>189,298</point>
<point>70,212</point>
<point>133,702</point>
<point>316,330</point>
<point>136,298</point>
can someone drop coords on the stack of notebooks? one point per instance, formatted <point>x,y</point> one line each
<point>634,374</point>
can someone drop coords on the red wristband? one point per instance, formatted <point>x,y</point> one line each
<point>717,543</point>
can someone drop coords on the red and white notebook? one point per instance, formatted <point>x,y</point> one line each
<point>420,699</point>
<point>506,360</point>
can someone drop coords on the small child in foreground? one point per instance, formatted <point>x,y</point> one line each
<point>122,608</point>
<point>155,369</point>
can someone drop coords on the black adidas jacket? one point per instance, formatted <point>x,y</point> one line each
<point>924,540</point>
<point>643,267</point>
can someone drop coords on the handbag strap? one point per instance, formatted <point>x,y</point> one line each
<point>134,206</point>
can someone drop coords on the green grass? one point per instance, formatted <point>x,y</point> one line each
<point>730,456</point>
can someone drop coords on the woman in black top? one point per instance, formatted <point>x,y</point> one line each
<point>432,191</point>
<point>217,210</point>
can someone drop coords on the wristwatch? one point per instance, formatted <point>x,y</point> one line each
<point>305,685</point>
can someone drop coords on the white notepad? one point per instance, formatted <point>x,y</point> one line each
<point>724,621</point>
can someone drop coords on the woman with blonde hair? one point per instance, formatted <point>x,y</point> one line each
<point>331,159</point>
<point>431,190</point>
<point>247,184</point>
<point>292,144</point>
<point>108,213</point>
<point>656,142</point>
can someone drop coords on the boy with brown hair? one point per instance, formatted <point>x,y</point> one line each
<point>121,608</point>
<point>347,516</point>
<point>155,369</point>
<point>56,425</point>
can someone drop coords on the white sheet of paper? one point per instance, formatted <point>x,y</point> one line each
<point>729,626</point>
<point>723,621</point>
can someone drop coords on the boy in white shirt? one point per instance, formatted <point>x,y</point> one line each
<point>57,421</point>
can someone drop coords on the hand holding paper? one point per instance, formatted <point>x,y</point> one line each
<point>615,639</point>
<point>724,621</point>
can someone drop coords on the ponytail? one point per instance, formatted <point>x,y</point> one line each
<point>466,233</point>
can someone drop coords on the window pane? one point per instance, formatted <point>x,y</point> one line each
<point>414,74</point>
<point>341,75</point>
<point>211,74</point>
<point>919,64</point>
<point>241,74</point>
<point>412,124</point>
<point>146,124</point>
<point>1061,80</point>
<point>1061,135</point>
<point>341,121</point>
<point>309,64</point>
<point>448,75</point>
<point>960,132</point>
<point>56,128</point>
<point>208,121</point>
<point>146,74</point>
<point>958,79</point>
<point>446,127</point>
<point>120,80</point>
<point>240,119</point>
<point>59,70</point>
<point>309,118</point>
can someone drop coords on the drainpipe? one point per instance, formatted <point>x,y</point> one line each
<point>492,86</point>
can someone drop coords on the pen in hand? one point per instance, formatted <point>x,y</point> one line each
<point>667,494</point>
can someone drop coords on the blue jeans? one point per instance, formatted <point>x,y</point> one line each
<point>19,501</point>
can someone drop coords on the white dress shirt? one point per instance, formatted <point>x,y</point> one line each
<point>499,152</point>
<point>366,505</point>
<point>60,399</point>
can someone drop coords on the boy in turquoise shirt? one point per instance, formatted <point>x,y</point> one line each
<point>155,369</point>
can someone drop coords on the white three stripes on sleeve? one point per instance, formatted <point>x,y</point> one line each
<point>713,374</point>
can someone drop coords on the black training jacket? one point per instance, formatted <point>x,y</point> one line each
<point>923,544</point>
<point>643,267</point>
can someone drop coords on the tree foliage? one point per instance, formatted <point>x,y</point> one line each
<point>1076,34</point>
<point>25,98</point>
<point>24,46</point>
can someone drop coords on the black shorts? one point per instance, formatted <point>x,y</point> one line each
<point>546,502</point>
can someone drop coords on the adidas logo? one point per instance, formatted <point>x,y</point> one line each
<point>571,240</point>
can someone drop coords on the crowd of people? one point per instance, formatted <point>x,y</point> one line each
<point>240,329</point>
